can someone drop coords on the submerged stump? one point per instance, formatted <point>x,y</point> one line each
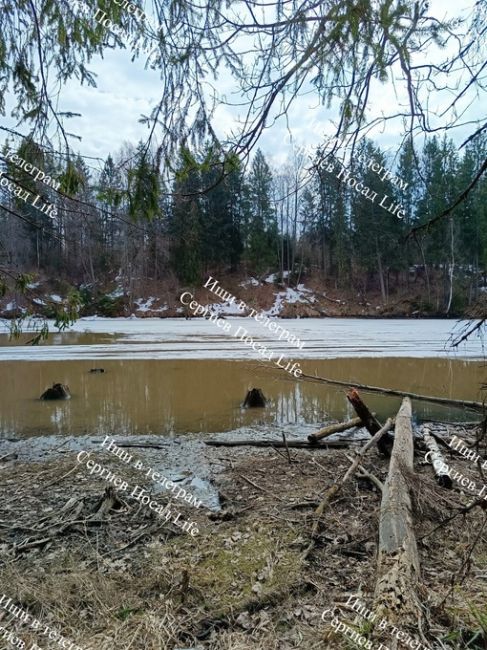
<point>58,391</point>
<point>254,399</point>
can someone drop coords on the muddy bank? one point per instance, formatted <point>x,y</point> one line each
<point>121,576</point>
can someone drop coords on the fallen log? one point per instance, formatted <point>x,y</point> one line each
<point>468,441</point>
<point>467,404</point>
<point>384,443</point>
<point>291,444</point>
<point>334,428</point>
<point>398,561</point>
<point>437,460</point>
<point>457,423</point>
<point>336,487</point>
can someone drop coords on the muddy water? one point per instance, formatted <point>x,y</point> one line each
<point>183,396</point>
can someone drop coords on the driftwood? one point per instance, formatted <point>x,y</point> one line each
<point>291,444</point>
<point>468,404</point>
<point>368,475</point>
<point>12,453</point>
<point>437,460</point>
<point>384,443</point>
<point>336,487</point>
<point>334,428</point>
<point>109,501</point>
<point>398,562</point>
<point>143,445</point>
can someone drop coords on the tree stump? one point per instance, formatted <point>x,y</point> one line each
<point>255,399</point>
<point>58,391</point>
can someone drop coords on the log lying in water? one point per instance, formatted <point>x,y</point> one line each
<point>292,444</point>
<point>334,428</point>
<point>437,460</point>
<point>384,444</point>
<point>398,561</point>
<point>468,404</point>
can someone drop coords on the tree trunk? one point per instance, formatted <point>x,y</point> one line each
<point>334,428</point>
<point>451,267</point>
<point>369,421</point>
<point>381,276</point>
<point>398,561</point>
<point>292,444</point>
<point>437,460</point>
<point>465,404</point>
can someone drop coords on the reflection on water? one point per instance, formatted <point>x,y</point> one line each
<point>169,397</point>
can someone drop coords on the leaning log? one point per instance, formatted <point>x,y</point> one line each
<point>398,562</point>
<point>372,425</point>
<point>291,444</point>
<point>466,404</point>
<point>436,458</point>
<point>334,428</point>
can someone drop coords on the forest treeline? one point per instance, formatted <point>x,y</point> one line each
<point>142,218</point>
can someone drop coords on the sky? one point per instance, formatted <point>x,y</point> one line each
<point>125,90</point>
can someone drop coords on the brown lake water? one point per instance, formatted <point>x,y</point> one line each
<point>172,397</point>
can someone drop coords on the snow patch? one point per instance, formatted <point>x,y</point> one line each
<point>290,296</point>
<point>228,308</point>
<point>148,305</point>
<point>273,276</point>
<point>252,282</point>
<point>144,306</point>
<point>116,293</point>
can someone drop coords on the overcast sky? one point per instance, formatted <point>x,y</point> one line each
<point>125,90</point>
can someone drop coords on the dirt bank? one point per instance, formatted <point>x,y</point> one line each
<point>309,296</point>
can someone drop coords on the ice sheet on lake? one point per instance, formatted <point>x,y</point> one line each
<point>177,338</point>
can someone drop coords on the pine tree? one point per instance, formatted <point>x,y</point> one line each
<point>221,210</point>
<point>262,238</point>
<point>377,232</point>
<point>186,221</point>
<point>439,171</point>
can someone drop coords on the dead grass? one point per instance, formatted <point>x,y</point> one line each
<point>128,583</point>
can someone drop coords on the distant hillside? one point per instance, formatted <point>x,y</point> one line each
<point>279,297</point>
